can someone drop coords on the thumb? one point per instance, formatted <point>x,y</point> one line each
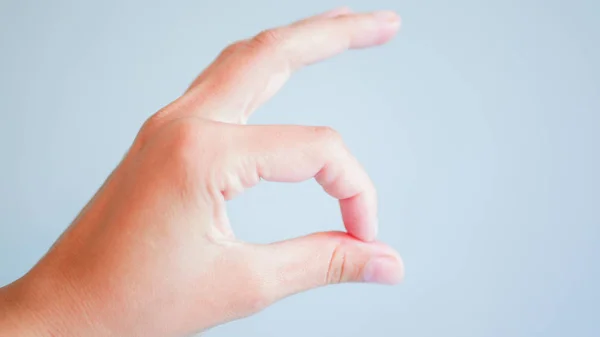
<point>325,258</point>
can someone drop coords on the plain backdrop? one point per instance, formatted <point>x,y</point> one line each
<point>479,124</point>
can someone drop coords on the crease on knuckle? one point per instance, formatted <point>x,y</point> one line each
<point>276,46</point>
<point>268,39</point>
<point>337,265</point>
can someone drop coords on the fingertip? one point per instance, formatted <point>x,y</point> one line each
<point>401,268</point>
<point>364,233</point>
<point>390,23</point>
<point>386,270</point>
<point>375,227</point>
<point>381,263</point>
<point>390,17</point>
<point>372,29</point>
<point>359,214</point>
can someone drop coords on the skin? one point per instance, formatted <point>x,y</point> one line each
<point>153,253</point>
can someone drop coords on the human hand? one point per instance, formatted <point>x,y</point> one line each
<point>153,253</point>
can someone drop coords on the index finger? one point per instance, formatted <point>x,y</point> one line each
<point>249,72</point>
<point>289,153</point>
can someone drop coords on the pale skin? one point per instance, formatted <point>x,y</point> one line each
<point>153,253</point>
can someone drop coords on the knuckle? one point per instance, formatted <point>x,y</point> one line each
<point>234,48</point>
<point>152,124</point>
<point>185,143</point>
<point>248,288</point>
<point>257,296</point>
<point>154,120</point>
<point>268,39</point>
<point>258,300</point>
<point>329,137</point>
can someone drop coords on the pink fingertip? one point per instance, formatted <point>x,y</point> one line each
<point>383,270</point>
<point>387,17</point>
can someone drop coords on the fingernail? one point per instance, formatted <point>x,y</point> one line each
<point>383,270</point>
<point>387,16</point>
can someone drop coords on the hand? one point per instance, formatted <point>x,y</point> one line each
<point>153,253</point>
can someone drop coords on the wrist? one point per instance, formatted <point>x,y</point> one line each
<point>31,307</point>
<point>17,317</point>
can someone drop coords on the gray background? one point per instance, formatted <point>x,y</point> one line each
<point>479,125</point>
